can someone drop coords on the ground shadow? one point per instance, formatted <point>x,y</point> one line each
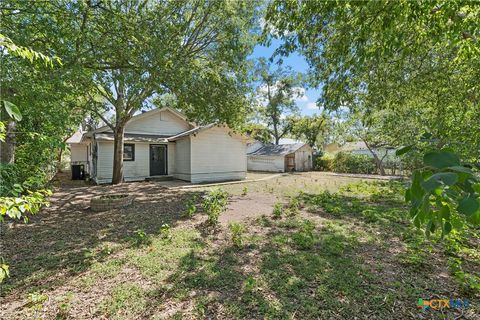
<point>66,238</point>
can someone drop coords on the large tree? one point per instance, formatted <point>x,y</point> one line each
<point>132,50</point>
<point>418,56</point>
<point>276,94</point>
<point>312,129</point>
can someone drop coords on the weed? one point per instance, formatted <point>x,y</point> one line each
<point>249,284</point>
<point>244,191</point>
<point>214,203</point>
<point>191,207</point>
<point>237,230</point>
<point>64,306</point>
<point>277,210</point>
<point>166,231</point>
<point>140,238</point>
<point>293,207</point>
<point>305,238</point>
<point>36,301</point>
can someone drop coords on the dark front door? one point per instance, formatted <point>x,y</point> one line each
<point>158,159</point>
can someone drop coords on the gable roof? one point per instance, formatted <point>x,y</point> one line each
<point>277,150</point>
<point>76,137</point>
<point>148,114</point>
<point>191,131</point>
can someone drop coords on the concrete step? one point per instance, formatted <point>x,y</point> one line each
<point>159,178</point>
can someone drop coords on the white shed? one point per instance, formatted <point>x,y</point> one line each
<point>281,158</point>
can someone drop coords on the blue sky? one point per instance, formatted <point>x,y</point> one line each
<point>297,63</point>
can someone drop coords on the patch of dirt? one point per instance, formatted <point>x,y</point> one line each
<point>252,205</point>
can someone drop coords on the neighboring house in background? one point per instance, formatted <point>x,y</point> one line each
<point>279,158</point>
<point>358,147</point>
<point>161,142</point>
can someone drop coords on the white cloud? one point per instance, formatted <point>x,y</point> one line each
<point>301,96</point>
<point>312,106</point>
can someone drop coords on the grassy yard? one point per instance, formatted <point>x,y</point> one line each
<point>333,248</point>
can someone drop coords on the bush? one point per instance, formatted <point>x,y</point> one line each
<point>324,163</point>
<point>346,162</point>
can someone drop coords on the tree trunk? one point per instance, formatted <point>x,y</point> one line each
<point>379,164</point>
<point>378,161</point>
<point>7,147</point>
<point>118,155</point>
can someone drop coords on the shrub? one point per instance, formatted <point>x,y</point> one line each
<point>324,163</point>
<point>237,230</point>
<point>214,203</point>
<point>244,191</point>
<point>346,162</point>
<point>277,210</point>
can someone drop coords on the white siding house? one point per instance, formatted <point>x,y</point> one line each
<point>162,142</point>
<point>280,158</point>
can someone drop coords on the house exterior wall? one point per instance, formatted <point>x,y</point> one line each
<point>136,170</point>
<point>78,152</point>
<point>266,163</point>
<point>182,159</point>
<point>159,123</point>
<point>303,158</point>
<point>217,156</point>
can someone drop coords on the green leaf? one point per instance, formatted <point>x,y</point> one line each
<point>461,169</point>
<point>439,179</point>
<point>447,227</point>
<point>468,205</point>
<point>403,150</point>
<point>445,212</point>
<point>12,110</point>
<point>441,159</point>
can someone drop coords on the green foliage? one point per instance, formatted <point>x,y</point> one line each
<point>293,206</point>
<point>9,176</point>
<point>166,231</point>
<point>311,129</point>
<point>249,284</point>
<point>24,52</point>
<point>237,230</point>
<point>305,238</point>
<point>4,270</point>
<point>277,210</point>
<point>140,238</point>
<point>191,207</point>
<point>324,163</point>
<point>401,68</point>
<point>444,195</point>
<point>244,191</point>
<point>214,203</point>
<point>19,207</point>
<point>353,163</point>
<point>278,90</point>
